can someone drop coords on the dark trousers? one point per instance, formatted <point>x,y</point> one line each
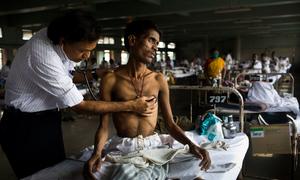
<point>31,141</point>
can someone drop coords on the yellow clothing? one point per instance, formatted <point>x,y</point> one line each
<point>215,68</point>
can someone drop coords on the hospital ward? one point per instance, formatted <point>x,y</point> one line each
<point>149,90</point>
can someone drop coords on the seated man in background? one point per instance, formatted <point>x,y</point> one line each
<point>135,132</point>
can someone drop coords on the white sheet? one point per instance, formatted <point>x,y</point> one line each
<point>72,169</point>
<point>264,92</point>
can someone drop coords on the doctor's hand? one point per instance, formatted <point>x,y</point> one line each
<point>146,105</point>
<point>203,155</point>
<point>91,166</point>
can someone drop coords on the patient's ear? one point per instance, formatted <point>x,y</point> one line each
<point>131,40</point>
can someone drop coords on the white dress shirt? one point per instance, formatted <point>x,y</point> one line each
<point>40,77</point>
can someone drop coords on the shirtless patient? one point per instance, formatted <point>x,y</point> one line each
<point>135,80</point>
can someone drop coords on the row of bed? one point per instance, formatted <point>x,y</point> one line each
<point>241,106</point>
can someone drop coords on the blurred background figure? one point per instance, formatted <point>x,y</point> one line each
<point>274,62</point>
<point>256,64</point>
<point>112,64</point>
<point>4,72</point>
<point>229,61</point>
<point>92,64</point>
<point>214,68</point>
<point>284,65</point>
<point>265,63</point>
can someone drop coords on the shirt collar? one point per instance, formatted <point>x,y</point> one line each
<point>61,53</point>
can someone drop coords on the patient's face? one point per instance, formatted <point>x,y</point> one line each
<point>145,47</point>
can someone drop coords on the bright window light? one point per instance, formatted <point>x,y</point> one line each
<point>171,45</point>
<point>101,40</point>
<point>172,55</point>
<point>1,57</point>
<point>111,40</point>
<point>124,57</point>
<point>27,34</point>
<point>107,55</point>
<point>122,41</point>
<point>106,40</point>
<point>161,45</point>
<point>1,32</point>
<point>158,56</point>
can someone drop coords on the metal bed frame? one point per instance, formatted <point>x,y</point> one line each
<point>216,89</point>
<point>295,137</point>
<point>264,76</point>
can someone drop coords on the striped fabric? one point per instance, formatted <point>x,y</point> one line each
<point>39,78</point>
<point>131,172</point>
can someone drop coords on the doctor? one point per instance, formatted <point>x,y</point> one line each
<point>40,84</point>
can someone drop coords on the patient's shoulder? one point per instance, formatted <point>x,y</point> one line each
<point>159,76</point>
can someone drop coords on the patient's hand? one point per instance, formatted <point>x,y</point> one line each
<point>146,105</point>
<point>203,155</point>
<point>91,166</point>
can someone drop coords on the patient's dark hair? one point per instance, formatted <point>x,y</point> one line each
<point>138,28</point>
<point>74,26</point>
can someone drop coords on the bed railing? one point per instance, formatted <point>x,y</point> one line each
<point>264,77</point>
<point>217,89</point>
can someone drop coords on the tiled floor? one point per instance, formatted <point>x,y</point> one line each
<point>80,133</point>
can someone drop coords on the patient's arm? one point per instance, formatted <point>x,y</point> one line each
<point>94,163</point>
<point>175,131</point>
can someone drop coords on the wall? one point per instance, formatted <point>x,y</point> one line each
<point>287,46</point>
<point>11,40</point>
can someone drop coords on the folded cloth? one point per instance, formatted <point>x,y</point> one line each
<point>134,158</point>
<point>143,154</point>
<point>131,172</point>
<point>220,168</point>
<point>216,145</point>
<point>163,156</point>
<point>128,145</point>
<point>158,156</point>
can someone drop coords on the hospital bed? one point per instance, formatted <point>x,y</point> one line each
<point>283,84</point>
<point>71,168</point>
<point>238,146</point>
<point>182,72</point>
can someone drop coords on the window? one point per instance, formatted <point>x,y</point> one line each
<point>106,40</point>
<point>111,40</point>
<point>1,57</point>
<point>124,57</point>
<point>101,41</point>
<point>161,45</point>
<point>104,55</point>
<point>1,32</point>
<point>122,41</point>
<point>171,45</point>
<point>163,56</point>
<point>158,56</point>
<point>27,34</point>
<point>171,54</point>
<point>107,55</point>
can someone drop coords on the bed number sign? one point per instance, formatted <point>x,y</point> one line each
<point>216,98</point>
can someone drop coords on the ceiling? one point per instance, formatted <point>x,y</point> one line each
<point>179,20</point>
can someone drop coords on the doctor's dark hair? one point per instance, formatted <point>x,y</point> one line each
<point>74,26</point>
<point>138,28</point>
